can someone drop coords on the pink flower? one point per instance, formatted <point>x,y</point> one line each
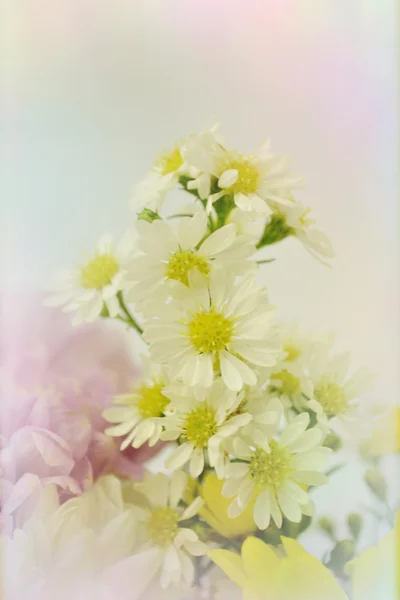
<point>55,381</point>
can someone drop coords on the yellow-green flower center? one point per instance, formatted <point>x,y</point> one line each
<point>249,177</point>
<point>270,468</point>
<point>292,352</point>
<point>170,162</point>
<point>289,383</point>
<point>99,271</point>
<point>200,425</point>
<point>331,396</point>
<point>210,331</point>
<point>152,403</point>
<point>162,526</point>
<point>182,261</point>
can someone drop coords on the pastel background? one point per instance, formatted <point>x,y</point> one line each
<point>94,89</point>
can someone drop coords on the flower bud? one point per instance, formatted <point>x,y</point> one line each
<point>326,525</point>
<point>275,230</point>
<point>341,554</point>
<point>355,523</point>
<point>333,442</point>
<point>376,483</point>
<point>148,215</point>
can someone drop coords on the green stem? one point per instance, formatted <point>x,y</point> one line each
<point>129,318</point>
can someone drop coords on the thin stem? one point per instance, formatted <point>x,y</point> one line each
<point>129,318</point>
<point>179,216</point>
<point>263,262</point>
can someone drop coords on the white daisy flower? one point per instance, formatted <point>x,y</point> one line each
<point>276,472</point>
<point>94,286</point>
<point>255,181</point>
<point>226,327</point>
<point>289,381</point>
<point>203,419</point>
<point>161,527</point>
<point>293,219</point>
<point>167,256</point>
<point>335,389</point>
<point>247,223</point>
<point>289,378</point>
<point>265,412</point>
<point>138,414</point>
<point>203,152</point>
<point>151,192</point>
<point>173,162</point>
<point>164,176</point>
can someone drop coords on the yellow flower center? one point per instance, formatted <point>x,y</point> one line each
<point>331,396</point>
<point>162,526</point>
<point>182,261</point>
<point>270,468</point>
<point>200,425</point>
<point>152,403</point>
<point>290,384</point>
<point>170,162</point>
<point>292,351</point>
<point>210,331</point>
<point>99,271</point>
<point>249,177</point>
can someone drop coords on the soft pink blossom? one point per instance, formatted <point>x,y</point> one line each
<point>55,381</point>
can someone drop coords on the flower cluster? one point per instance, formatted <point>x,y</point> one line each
<point>248,409</point>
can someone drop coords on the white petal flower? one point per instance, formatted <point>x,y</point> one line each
<point>93,287</point>
<point>289,379</point>
<point>336,389</point>
<point>255,182</point>
<point>275,472</point>
<point>162,530</point>
<point>292,218</point>
<point>168,257</point>
<point>203,152</point>
<point>138,414</point>
<point>202,421</point>
<point>151,192</point>
<point>167,170</point>
<point>227,326</point>
<point>84,548</point>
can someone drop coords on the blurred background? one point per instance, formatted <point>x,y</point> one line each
<point>94,89</point>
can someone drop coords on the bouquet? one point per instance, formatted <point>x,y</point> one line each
<point>245,417</point>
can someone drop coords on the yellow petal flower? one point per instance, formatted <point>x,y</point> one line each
<point>215,510</point>
<point>375,573</point>
<point>385,439</point>
<point>265,575</point>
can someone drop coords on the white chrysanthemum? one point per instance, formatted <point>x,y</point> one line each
<point>94,286</point>
<point>254,181</point>
<point>161,529</point>
<point>167,256</point>
<point>172,162</point>
<point>203,152</point>
<point>150,193</point>
<point>226,326</point>
<point>247,223</point>
<point>265,411</point>
<point>290,382</point>
<point>139,414</point>
<point>289,378</point>
<point>335,389</point>
<point>201,422</point>
<point>275,472</point>
<point>83,549</point>
<point>293,219</point>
